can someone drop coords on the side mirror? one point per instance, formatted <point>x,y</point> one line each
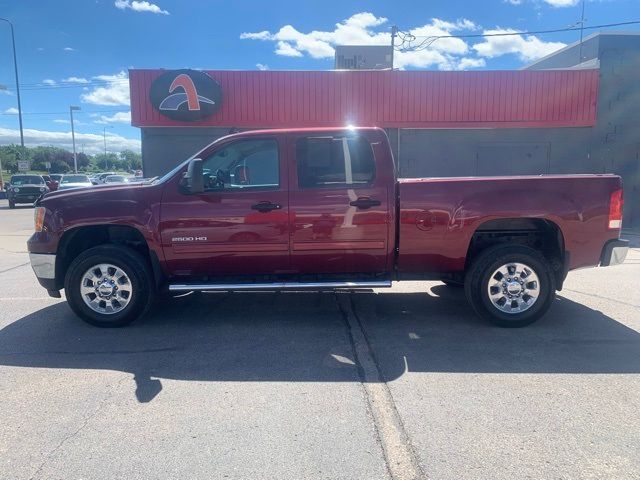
<point>193,179</point>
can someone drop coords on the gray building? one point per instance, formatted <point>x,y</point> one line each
<point>611,145</point>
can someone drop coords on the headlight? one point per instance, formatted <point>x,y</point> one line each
<point>16,189</point>
<point>43,189</point>
<point>38,218</point>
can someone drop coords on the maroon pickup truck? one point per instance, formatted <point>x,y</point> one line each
<point>322,209</point>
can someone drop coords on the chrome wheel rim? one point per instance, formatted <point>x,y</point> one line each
<point>106,289</point>
<point>513,288</point>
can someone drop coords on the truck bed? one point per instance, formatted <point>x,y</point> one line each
<point>438,216</point>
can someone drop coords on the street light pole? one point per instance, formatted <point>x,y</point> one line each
<point>104,137</point>
<point>15,66</point>
<point>73,138</point>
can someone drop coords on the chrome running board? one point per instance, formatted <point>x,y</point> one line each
<point>185,287</point>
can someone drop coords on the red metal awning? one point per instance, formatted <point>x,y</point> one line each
<point>388,99</point>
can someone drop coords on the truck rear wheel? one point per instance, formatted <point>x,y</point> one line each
<point>109,286</point>
<point>510,285</point>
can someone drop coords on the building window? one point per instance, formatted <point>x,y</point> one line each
<point>251,163</point>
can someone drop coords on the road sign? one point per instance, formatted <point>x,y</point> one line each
<point>23,166</point>
<point>47,165</point>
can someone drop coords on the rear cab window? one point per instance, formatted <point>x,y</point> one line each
<point>334,161</point>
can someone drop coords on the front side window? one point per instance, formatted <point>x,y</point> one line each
<point>243,164</point>
<point>334,162</point>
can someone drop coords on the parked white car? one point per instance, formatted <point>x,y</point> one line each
<point>74,181</point>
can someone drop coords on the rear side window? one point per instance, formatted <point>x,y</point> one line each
<point>325,162</point>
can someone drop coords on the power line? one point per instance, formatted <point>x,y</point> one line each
<point>64,113</point>
<point>408,38</point>
<point>58,85</point>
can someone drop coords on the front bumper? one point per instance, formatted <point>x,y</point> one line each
<point>29,198</point>
<point>44,266</point>
<point>614,252</point>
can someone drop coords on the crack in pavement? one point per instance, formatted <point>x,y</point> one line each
<point>82,426</point>
<point>13,268</point>
<point>602,297</point>
<point>399,455</point>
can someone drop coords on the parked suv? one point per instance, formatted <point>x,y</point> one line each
<point>25,189</point>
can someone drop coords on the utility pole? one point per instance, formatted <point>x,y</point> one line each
<point>581,31</point>
<point>73,138</point>
<point>15,66</point>
<point>394,33</point>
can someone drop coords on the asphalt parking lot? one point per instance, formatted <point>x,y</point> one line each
<point>399,383</point>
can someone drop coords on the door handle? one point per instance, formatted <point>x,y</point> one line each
<point>264,207</point>
<point>364,203</point>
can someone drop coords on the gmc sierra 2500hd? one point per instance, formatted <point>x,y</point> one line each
<point>321,209</point>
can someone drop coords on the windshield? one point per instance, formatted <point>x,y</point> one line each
<point>183,164</point>
<point>75,179</point>
<point>27,180</point>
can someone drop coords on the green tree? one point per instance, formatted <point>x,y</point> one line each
<point>131,160</point>
<point>11,154</point>
<point>110,161</point>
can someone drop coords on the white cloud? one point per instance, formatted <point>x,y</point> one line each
<point>562,3</point>
<point>69,49</point>
<point>365,29</point>
<point>139,6</point>
<point>118,117</point>
<point>116,92</point>
<point>75,80</point>
<point>262,66</point>
<point>76,122</point>
<point>553,3</point>
<point>11,111</point>
<point>287,50</point>
<point>88,142</point>
<point>48,81</point>
<point>466,63</point>
<point>527,48</point>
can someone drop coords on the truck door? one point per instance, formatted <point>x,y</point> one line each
<point>339,205</point>
<point>240,224</point>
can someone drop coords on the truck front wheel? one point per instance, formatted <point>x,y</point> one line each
<point>109,286</point>
<point>510,285</point>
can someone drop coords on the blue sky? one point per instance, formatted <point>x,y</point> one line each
<point>78,51</point>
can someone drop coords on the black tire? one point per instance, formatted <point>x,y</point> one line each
<point>453,284</point>
<point>479,275</point>
<point>12,205</point>
<point>133,265</point>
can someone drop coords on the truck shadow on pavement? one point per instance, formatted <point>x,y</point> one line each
<point>304,337</point>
